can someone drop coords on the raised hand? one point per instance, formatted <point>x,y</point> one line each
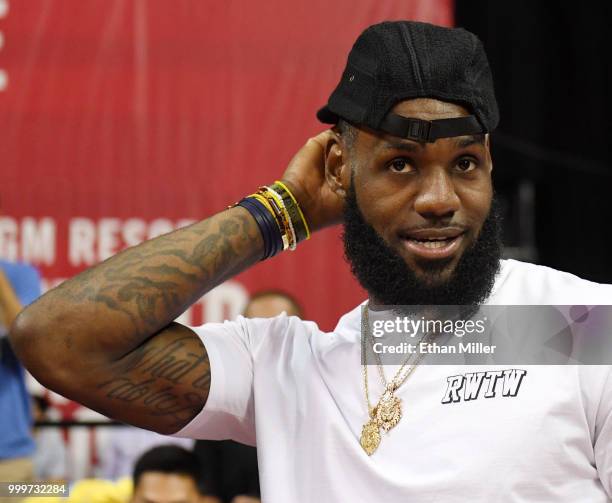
<point>305,176</point>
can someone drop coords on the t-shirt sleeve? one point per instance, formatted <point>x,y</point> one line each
<point>603,437</point>
<point>231,346</point>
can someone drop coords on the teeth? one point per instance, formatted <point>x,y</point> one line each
<point>430,244</point>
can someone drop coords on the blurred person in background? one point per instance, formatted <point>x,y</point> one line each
<point>19,285</point>
<point>168,474</point>
<point>245,499</point>
<point>125,444</point>
<point>164,474</point>
<point>230,468</point>
<point>51,454</point>
<point>270,303</point>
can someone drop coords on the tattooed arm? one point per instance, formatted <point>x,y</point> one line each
<point>106,338</point>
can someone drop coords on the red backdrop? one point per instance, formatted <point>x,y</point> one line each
<point>121,120</point>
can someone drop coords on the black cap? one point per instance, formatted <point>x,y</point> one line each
<point>399,60</point>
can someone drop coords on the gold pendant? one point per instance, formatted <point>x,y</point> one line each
<point>388,410</point>
<point>370,437</point>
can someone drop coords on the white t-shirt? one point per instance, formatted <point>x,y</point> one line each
<point>297,393</point>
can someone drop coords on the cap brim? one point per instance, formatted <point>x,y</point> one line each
<point>326,116</point>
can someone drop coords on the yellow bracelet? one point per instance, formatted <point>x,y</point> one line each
<point>297,205</point>
<point>282,216</point>
<point>287,218</point>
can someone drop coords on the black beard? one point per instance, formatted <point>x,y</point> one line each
<point>391,282</point>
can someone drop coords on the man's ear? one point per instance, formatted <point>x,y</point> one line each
<point>336,166</point>
<point>488,147</point>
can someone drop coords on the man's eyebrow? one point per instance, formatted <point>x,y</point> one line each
<point>409,146</point>
<point>466,141</point>
<point>412,146</point>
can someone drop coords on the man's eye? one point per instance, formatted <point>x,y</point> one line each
<point>465,165</point>
<point>401,165</point>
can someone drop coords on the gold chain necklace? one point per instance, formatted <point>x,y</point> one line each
<point>388,411</point>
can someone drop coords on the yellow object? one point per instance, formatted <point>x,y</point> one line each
<point>93,491</point>
<point>297,205</point>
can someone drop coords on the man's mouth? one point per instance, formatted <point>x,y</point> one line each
<point>433,244</point>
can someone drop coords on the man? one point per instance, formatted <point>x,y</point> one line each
<point>167,474</point>
<point>408,169</point>
<point>270,303</point>
<point>51,456</point>
<point>19,285</point>
<point>124,444</point>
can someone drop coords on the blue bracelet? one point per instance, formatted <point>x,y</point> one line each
<point>272,238</point>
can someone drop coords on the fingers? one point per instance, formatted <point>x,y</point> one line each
<point>322,138</point>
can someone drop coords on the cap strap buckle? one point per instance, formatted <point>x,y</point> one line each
<point>418,130</point>
<point>424,131</point>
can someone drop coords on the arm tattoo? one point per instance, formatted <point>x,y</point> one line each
<point>167,379</point>
<point>112,324</point>
<point>148,286</point>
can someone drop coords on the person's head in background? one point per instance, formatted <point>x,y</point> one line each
<point>269,303</point>
<point>168,474</point>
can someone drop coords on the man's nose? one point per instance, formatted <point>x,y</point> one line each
<point>437,197</point>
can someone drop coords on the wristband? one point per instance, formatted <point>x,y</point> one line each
<point>268,227</point>
<point>278,216</point>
